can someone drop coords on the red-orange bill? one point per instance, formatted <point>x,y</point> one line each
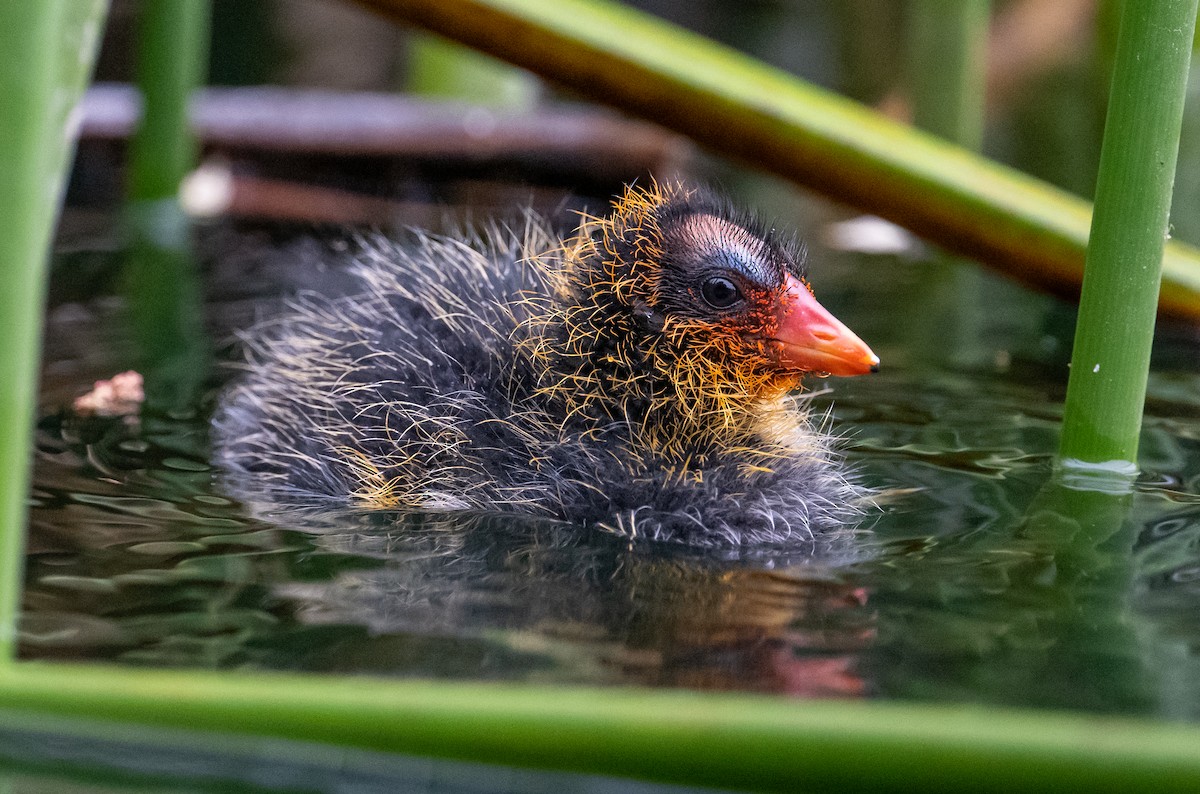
<point>811,339</point>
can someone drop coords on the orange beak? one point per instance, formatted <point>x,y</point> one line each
<point>810,339</point>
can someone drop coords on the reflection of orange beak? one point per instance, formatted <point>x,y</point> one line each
<point>810,339</point>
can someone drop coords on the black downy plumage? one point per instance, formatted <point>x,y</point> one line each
<point>637,376</point>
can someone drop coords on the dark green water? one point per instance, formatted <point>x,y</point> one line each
<point>974,582</point>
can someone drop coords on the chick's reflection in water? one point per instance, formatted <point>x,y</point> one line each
<point>497,597</point>
<point>636,377</point>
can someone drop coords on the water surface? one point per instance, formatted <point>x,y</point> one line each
<point>974,581</point>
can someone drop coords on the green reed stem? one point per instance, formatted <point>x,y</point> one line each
<point>172,62</point>
<point>947,59</point>
<point>160,282</point>
<point>768,118</point>
<point>46,53</point>
<point>27,36</point>
<point>1111,359</point>
<point>708,739</point>
<point>948,68</point>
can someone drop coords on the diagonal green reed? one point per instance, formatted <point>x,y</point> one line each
<point>772,120</point>
<point>1111,359</point>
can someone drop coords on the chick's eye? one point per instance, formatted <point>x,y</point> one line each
<point>720,292</point>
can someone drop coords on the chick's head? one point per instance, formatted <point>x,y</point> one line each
<point>719,299</point>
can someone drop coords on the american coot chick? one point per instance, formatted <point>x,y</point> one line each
<point>635,376</point>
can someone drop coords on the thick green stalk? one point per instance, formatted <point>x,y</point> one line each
<point>710,739</point>
<point>947,68</point>
<point>746,109</point>
<point>172,61</point>
<point>1111,359</point>
<point>27,35</point>
<point>46,52</point>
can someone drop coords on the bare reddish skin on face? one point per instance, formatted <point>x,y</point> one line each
<point>800,334</point>
<point>808,338</point>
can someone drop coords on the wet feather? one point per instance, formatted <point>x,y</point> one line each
<point>518,372</point>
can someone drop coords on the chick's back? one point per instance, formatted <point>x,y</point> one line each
<point>397,395</point>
